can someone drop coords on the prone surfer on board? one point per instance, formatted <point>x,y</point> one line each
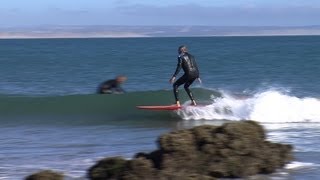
<point>112,86</point>
<point>187,62</point>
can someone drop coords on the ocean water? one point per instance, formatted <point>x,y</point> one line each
<point>51,118</point>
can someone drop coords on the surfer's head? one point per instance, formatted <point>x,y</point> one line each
<point>182,49</point>
<point>121,79</point>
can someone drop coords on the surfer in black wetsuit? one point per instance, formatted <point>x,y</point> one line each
<point>112,86</point>
<point>188,63</point>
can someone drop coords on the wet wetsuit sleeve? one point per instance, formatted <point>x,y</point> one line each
<point>106,87</point>
<point>119,89</point>
<point>178,67</point>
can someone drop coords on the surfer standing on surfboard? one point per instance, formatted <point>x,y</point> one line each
<point>187,62</point>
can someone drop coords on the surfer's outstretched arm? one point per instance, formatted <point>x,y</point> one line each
<point>179,65</point>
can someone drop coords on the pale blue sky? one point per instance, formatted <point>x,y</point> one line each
<point>160,12</point>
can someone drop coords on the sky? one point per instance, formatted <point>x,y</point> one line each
<point>25,13</point>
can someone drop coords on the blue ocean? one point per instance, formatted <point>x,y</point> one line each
<point>52,118</point>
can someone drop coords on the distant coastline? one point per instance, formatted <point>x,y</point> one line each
<point>101,31</point>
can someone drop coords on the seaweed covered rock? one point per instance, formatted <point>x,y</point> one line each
<point>139,168</point>
<point>47,175</point>
<point>108,168</point>
<point>236,149</point>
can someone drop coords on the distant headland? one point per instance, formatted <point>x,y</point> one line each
<point>104,31</point>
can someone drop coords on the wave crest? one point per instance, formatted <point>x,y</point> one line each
<point>269,106</point>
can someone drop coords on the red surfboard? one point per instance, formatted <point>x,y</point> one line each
<point>167,107</point>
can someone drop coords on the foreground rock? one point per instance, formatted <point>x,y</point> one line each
<point>45,175</point>
<point>236,149</point>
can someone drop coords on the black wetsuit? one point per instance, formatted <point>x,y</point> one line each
<point>188,63</point>
<point>110,87</point>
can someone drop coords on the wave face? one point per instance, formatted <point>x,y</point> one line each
<point>93,108</point>
<point>271,106</point>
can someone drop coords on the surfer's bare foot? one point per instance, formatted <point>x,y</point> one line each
<point>178,103</point>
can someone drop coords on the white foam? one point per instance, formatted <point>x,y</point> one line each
<point>269,106</point>
<point>300,165</point>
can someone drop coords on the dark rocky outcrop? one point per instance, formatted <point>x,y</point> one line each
<point>45,175</point>
<point>236,149</point>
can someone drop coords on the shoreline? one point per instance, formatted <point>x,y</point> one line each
<point>59,32</point>
<point>125,37</point>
